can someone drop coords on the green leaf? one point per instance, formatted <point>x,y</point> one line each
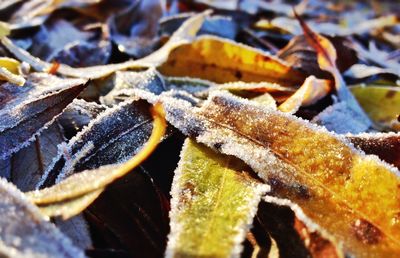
<point>213,204</point>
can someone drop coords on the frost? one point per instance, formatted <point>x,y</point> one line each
<point>184,34</point>
<point>24,231</point>
<point>27,112</point>
<point>113,137</point>
<point>341,119</point>
<point>210,194</point>
<point>125,83</point>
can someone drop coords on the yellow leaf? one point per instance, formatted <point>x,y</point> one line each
<point>382,104</point>
<point>222,60</point>
<point>310,92</point>
<point>10,71</point>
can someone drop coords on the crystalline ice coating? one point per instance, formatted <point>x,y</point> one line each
<point>38,87</point>
<point>126,82</point>
<point>205,192</point>
<point>30,111</point>
<point>115,135</point>
<point>341,119</point>
<point>25,233</point>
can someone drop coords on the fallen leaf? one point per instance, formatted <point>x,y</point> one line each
<point>213,204</point>
<point>73,194</point>
<point>232,62</point>
<point>26,111</point>
<point>112,137</point>
<point>381,103</point>
<point>326,56</point>
<point>384,145</point>
<point>183,35</point>
<point>25,232</point>
<point>320,171</point>
<point>309,93</point>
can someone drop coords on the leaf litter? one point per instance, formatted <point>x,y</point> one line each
<point>282,135</point>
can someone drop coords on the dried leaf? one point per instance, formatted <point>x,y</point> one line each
<point>213,204</point>
<point>295,234</point>
<point>232,62</point>
<point>319,170</point>
<point>326,56</point>
<point>183,35</point>
<point>26,111</point>
<point>75,193</point>
<point>384,145</point>
<point>131,215</point>
<point>25,232</point>
<point>309,93</point>
<point>10,71</point>
<point>28,164</point>
<point>113,137</point>
<point>382,104</point>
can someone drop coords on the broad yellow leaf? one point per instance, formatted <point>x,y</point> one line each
<point>355,197</point>
<point>222,60</point>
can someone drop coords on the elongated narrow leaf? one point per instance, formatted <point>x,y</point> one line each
<point>113,137</point>
<point>232,62</point>
<point>213,204</point>
<point>26,111</point>
<point>349,107</point>
<point>183,35</point>
<point>382,104</point>
<point>75,193</point>
<point>25,232</point>
<point>319,170</point>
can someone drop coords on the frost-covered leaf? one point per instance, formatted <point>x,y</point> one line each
<point>112,137</point>
<point>295,234</point>
<point>213,204</point>
<point>381,103</point>
<point>232,62</point>
<point>301,55</point>
<point>26,111</point>
<point>309,93</point>
<point>126,82</point>
<point>25,232</point>
<point>77,115</point>
<point>326,57</point>
<point>319,170</point>
<point>212,25</point>
<point>26,167</point>
<point>73,194</point>
<point>183,35</point>
<point>133,29</point>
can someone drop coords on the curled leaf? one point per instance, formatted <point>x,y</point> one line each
<point>310,92</point>
<point>75,193</point>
